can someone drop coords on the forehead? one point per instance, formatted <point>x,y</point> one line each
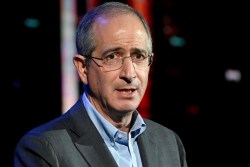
<point>121,18</point>
<point>122,29</point>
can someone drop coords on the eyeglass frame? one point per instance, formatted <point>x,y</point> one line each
<point>150,56</point>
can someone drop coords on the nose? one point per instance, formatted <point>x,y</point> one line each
<point>128,72</point>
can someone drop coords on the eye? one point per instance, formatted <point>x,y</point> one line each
<point>110,57</point>
<point>139,56</point>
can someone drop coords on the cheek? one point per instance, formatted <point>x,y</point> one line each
<point>144,85</point>
<point>101,82</point>
<point>144,75</point>
<point>94,79</point>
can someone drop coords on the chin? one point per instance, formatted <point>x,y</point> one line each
<point>127,108</point>
<point>125,105</point>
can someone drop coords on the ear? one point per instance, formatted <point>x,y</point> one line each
<point>81,67</point>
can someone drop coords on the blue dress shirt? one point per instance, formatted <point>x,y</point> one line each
<point>122,146</point>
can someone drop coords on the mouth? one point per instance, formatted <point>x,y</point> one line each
<point>126,90</point>
<point>127,93</point>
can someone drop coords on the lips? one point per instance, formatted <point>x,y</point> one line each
<point>126,90</point>
<point>126,93</point>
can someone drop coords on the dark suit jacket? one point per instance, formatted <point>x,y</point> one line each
<point>72,140</point>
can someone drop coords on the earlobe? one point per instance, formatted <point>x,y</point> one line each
<point>81,67</point>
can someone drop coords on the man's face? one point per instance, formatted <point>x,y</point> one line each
<point>118,91</point>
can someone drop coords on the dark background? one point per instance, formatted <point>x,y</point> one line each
<point>189,92</point>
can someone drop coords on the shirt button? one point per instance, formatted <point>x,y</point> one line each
<point>119,135</point>
<point>112,144</point>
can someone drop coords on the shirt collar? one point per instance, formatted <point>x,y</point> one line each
<point>106,129</point>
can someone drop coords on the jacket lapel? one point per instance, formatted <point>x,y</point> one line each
<point>96,156</point>
<point>87,138</point>
<point>147,150</point>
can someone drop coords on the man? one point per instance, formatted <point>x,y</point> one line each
<point>103,128</point>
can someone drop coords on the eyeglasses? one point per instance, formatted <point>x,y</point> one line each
<point>115,61</point>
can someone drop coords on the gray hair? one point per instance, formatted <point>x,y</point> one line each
<point>85,43</point>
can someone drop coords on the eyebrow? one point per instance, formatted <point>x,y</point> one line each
<point>136,50</point>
